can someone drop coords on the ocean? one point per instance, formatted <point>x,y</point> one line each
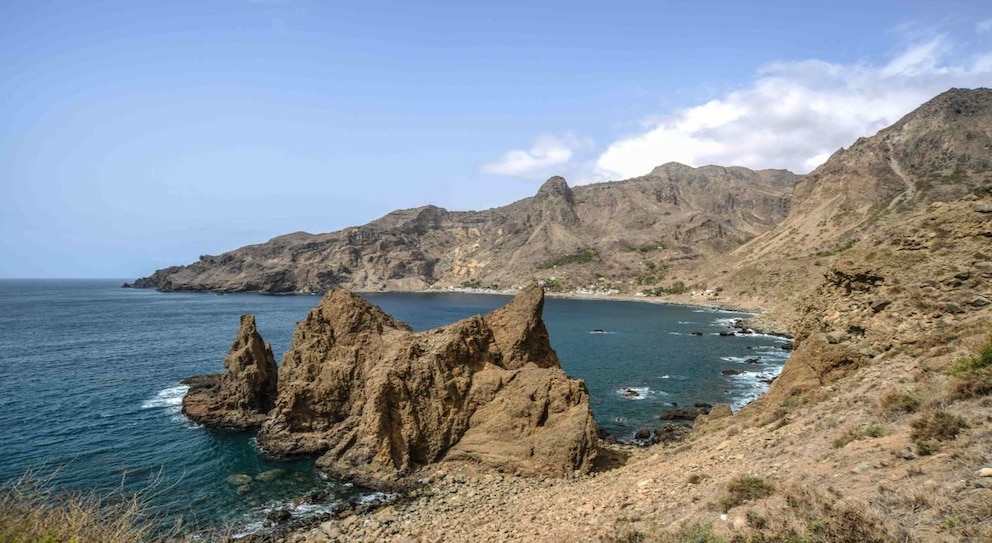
<point>90,386</point>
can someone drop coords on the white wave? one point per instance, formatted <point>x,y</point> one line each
<point>726,321</point>
<point>170,399</point>
<point>637,393</point>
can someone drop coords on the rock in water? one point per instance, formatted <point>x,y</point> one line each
<point>376,400</point>
<point>240,397</point>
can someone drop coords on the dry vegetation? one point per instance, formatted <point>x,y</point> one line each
<point>31,511</point>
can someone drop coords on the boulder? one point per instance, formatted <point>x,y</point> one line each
<point>375,401</point>
<point>719,411</point>
<point>240,397</point>
<point>671,433</point>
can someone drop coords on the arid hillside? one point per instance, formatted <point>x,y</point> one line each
<point>610,236</point>
<point>878,428</point>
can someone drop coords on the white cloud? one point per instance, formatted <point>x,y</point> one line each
<point>795,114</point>
<point>546,156</point>
<point>984,26</point>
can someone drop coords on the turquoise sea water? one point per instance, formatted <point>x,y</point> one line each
<point>91,382</point>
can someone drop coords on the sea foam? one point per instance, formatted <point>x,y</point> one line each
<point>170,399</point>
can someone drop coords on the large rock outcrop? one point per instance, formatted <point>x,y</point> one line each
<point>376,400</point>
<point>240,397</point>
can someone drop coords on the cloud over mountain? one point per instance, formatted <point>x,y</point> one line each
<point>795,114</point>
<point>791,115</point>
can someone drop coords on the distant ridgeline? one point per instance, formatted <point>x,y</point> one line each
<point>752,236</point>
<point>600,236</point>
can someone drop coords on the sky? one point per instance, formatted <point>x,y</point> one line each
<point>139,135</point>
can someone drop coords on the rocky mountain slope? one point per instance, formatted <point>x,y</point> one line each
<point>877,430</point>
<point>940,152</point>
<point>606,235</point>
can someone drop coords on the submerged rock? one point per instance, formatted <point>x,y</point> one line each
<point>376,400</point>
<point>240,397</point>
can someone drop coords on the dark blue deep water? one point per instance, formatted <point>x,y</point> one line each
<point>90,382</point>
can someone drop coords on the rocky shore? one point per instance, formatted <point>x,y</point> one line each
<point>878,428</point>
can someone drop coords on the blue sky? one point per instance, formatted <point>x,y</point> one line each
<point>136,135</point>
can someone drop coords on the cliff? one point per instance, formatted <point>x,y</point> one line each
<point>240,397</point>
<point>376,401</point>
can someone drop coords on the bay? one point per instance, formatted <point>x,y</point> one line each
<point>91,375</point>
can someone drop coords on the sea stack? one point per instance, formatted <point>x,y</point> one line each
<point>240,397</point>
<point>375,400</point>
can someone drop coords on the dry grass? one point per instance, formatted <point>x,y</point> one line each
<point>32,512</point>
<point>934,428</point>
<point>973,376</point>
<point>812,517</point>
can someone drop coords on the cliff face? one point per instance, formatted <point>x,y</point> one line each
<point>240,397</point>
<point>604,230</point>
<point>376,401</point>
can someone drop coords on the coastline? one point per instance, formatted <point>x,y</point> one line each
<point>755,317</point>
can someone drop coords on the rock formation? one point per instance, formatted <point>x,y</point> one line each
<point>376,400</point>
<point>240,397</point>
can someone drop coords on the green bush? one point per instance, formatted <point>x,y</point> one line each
<point>582,256</point>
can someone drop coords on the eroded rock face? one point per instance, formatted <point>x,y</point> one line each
<point>240,397</point>
<point>376,400</point>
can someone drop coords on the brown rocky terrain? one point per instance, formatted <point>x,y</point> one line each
<point>940,152</point>
<point>240,397</point>
<point>606,235</point>
<point>375,401</point>
<point>878,428</point>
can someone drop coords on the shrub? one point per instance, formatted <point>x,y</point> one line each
<point>692,533</point>
<point>893,403</point>
<point>872,430</point>
<point>745,489</point>
<point>973,376</point>
<point>934,428</point>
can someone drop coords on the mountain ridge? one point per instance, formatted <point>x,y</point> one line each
<point>590,235</point>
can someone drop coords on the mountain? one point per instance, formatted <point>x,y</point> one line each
<point>603,235</point>
<point>878,428</point>
<point>939,153</point>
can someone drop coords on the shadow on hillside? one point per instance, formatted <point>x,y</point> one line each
<point>609,459</point>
